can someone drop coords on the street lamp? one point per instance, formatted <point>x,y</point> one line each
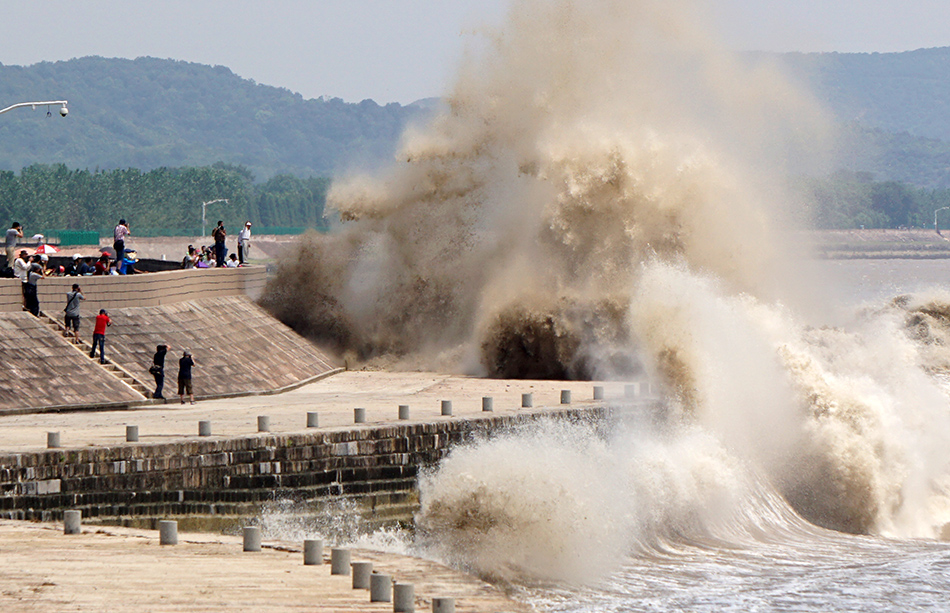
<point>62,109</point>
<point>936,229</point>
<point>203,206</point>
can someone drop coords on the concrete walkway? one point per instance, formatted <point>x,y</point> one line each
<point>334,398</point>
<point>124,570</point>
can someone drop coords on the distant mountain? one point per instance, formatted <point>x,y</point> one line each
<point>149,113</point>
<point>894,109</point>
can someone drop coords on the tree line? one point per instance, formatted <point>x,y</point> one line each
<point>162,200</point>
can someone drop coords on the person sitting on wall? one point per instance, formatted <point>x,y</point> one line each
<point>102,265</point>
<point>189,260</point>
<point>86,267</point>
<point>231,261</point>
<point>128,267</point>
<point>72,268</point>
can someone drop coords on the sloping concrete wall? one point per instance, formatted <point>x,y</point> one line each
<point>40,369</point>
<point>153,289</point>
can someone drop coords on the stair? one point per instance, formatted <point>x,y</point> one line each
<point>143,388</point>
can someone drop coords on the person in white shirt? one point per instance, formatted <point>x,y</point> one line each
<point>244,243</point>
<point>231,261</point>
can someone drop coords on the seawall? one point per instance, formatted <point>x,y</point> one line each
<point>219,483</point>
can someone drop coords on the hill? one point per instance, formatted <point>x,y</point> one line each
<point>148,113</point>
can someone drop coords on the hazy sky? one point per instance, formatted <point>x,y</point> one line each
<point>402,50</point>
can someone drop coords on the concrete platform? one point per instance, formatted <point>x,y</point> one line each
<point>125,570</point>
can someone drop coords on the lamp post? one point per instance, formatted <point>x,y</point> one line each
<point>936,229</point>
<point>62,109</point>
<point>203,206</point>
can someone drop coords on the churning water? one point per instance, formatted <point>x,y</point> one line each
<point>602,198</point>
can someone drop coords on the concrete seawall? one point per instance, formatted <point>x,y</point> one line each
<point>220,483</point>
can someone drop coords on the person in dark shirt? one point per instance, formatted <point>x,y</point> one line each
<point>158,370</point>
<point>85,267</point>
<point>184,377</point>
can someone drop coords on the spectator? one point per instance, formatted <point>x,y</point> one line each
<point>86,267</point>
<point>231,262</point>
<point>102,265</point>
<point>99,335</point>
<point>158,370</point>
<point>21,266</point>
<point>72,310</point>
<point>32,298</point>
<point>15,232</point>
<point>244,243</point>
<point>120,233</point>
<point>189,260</point>
<point>220,251</point>
<point>44,264</point>
<point>184,377</point>
<point>72,269</point>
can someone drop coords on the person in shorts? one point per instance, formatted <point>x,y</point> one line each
<point>184,377</point>
<point>73,299</point>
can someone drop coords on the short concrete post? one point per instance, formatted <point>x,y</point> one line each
<point>313,552</point>
<point>167,532</point>
<point>630,390</point>
<point>204,428</point>
<point>488,403</point>
<point>252,538</point>
<point>598,392</point>
<point>447,407</point>
<point>527,401</point>
<point>52,439</point>
<point>263,423</point>
<point>380,588</point>
<point>404,411</point>
<point>339,561</point>
<point>313,419</point>
<point>361,573</point>
<point>359,416</point>
<point>565,396</point>
<point>72,521</point>
<point>131,434</point>
<point>443,605</point>
<point>404,598</point>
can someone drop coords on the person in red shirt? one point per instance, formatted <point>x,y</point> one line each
<point>99,335</point>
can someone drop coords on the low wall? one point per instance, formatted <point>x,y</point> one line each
<point>217,483</point>
<point>145,290</point>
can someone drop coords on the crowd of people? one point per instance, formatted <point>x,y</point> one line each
<point>30,269</point>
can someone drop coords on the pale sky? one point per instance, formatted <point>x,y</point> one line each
<point>403,50</point>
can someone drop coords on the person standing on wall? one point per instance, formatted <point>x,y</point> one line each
<point>72,310</point>
<point>99,335</point>
<point>120,233</point>
<point>13,234</point>
<point>244,243</point>
<point>220,251</point>
<point>158,370</point>
<point>184,377</point>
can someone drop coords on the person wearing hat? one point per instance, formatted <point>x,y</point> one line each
<point>99,335</point>
<point>184,376</point>
<point>244,243</point>
<point>13,233</point>
<point>72,269</point>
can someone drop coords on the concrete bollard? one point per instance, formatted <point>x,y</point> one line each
<point>443,605</point>
<point>313,419</point>
<point>404,411</point>
<point>359,416</point>
<point>527,401</point>
<point>168,532</point>
<point>404,598</point>
<point>488,403</point>
<point>52,440</point>
<point>565,396</point>
<point>380,588</point>
<point>131,434</point>
<point>204,428</point>
<point>339,561</point>
<point>630,390</point>
<point>598,392</point>
<point>313,552</point>
<point>263,423</point>
<point>361,574</point>
<point>447,407</point>
<point>252,538</point>
<point>72,521</point>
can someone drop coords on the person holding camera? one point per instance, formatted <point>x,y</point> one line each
<point>72,310</point>
<point>99,335</point>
